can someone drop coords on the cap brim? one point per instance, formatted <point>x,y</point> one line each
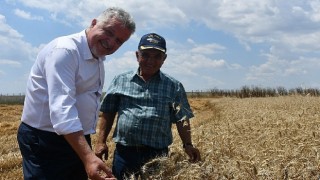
<point>152,47</point>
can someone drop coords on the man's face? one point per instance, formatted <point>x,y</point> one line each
<point>150,61</point>
<point>105,38</point>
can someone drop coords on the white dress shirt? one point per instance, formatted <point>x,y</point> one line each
<point>64,87</point>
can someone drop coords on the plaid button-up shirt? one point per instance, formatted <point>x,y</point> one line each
<point>146,110</point>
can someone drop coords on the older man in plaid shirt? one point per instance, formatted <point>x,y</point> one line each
<point>148,102</point>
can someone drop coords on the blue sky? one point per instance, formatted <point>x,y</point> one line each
<point>223,44</point>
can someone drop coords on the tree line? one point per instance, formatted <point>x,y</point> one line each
<point>255,91</point>
<point>243,92</point>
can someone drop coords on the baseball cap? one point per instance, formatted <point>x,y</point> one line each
<point>152,41</point>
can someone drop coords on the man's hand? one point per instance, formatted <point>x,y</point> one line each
<point>193,153</point>
<point>101,150</point>
<point>97,169</point>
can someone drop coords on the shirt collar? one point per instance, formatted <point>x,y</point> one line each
<point>159,75</point>
<point>86,52</point>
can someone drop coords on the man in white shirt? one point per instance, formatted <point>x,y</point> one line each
<point>63,100</point>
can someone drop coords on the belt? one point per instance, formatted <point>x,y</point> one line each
<point>138,148</point>
<point>48,133</point>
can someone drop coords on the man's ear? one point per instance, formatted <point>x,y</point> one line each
<point>165,57</point>
<point>93,22</point>
<point>137,55</point>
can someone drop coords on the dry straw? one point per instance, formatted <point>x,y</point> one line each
<point>250,138</point>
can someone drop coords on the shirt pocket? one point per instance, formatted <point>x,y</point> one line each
<point>162,107</point>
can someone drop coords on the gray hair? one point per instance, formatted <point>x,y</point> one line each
<point>124,17</point>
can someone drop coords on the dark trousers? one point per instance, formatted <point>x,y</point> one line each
<point>48,156</point>
<point>129,160</point>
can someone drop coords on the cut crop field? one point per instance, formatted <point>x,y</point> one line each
<point>250,138</point>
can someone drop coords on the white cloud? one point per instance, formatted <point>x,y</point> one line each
<point>191,41</point>
<point>6,30</point>
<point>315,15</point>
<point>286,32</point>
<point>67,11</point>
<point>115,66</point>
<point>27,15</point>
<point>235,66</point>
<point>11,42</point>
<point>300,43</point>
<point>208,48</point>
<point>10,62</point>
<point>278,71</point>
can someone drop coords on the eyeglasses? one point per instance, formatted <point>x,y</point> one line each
<point>148,56</point>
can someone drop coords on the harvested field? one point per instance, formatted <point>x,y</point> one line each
<point>251,138</point>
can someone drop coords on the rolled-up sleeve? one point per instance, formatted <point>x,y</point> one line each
<point>61,68</point>
<point>181,105</point>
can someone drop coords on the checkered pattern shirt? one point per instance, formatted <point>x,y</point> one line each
<point>146,110</point>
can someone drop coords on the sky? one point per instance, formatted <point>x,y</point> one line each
<point>212,44</point>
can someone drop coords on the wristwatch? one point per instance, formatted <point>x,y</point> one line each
<point>187,144</point>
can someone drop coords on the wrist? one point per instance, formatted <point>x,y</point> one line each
<point>187,145</point>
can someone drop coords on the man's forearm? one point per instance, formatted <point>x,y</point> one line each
<point>183,128</point>
<point>94,166</point>
<point>80,145</point>
<point>105,126</point>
